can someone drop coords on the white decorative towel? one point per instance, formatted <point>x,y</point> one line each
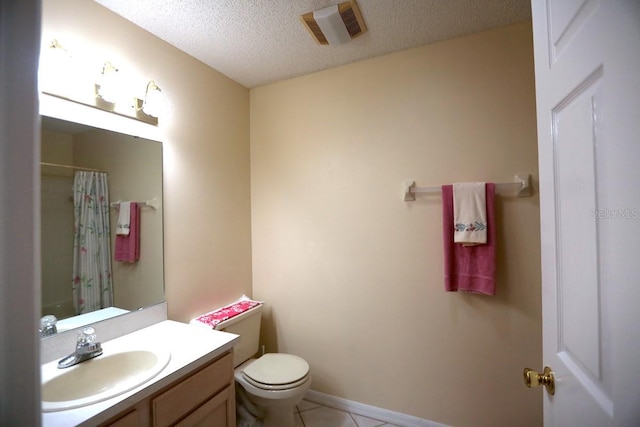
<point>469,213</point>
<point>124,219</point>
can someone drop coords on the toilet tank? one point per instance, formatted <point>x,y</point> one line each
<point>247,325</point>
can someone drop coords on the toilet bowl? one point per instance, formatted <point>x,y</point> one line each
<point>274,382</point>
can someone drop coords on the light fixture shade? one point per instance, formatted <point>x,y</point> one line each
<point>335,24</point>
<point>56,70</point>
<point>153,100</point>
<point>331,24</point>
<point>109,81</point>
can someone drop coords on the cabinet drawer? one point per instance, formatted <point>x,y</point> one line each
<point>181,399</point>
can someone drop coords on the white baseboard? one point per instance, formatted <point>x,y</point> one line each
<point>385,415</point>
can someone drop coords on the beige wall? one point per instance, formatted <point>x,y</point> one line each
<point>56,147</point>
<point>352,275</point>
<point>206,153</point>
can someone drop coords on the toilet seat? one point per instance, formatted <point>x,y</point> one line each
<point>277,371</point>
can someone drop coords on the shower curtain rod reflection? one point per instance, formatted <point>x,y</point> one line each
<point>79,168</point>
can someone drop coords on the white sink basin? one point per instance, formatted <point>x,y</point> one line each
<point>98,379</point>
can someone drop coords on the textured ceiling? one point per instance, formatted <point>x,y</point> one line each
<point>255,42</point>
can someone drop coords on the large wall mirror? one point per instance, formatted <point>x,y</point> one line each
<point>129,169</point>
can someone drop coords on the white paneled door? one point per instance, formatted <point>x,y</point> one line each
<point>587,59</point>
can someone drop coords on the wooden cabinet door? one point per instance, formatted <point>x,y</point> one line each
<point>132,419</point>
<point>219,411</point>
<point>204,398</point>
<point>194,392</point>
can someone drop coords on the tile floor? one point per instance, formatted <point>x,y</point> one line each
<point>310,414</point>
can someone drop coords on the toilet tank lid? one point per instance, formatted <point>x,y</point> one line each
<point>217,316</point>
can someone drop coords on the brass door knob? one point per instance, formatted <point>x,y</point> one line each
<point>534,379</point>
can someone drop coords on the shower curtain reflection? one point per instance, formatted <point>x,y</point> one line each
<point>92,282</point>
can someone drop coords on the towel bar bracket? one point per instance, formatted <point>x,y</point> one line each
<point>408,186</point>
<point>525,180</point>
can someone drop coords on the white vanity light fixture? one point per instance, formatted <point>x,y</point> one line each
<point>74,81</point>
<point>153,103</point>
<point>108,85</point>
<point>56,70</point>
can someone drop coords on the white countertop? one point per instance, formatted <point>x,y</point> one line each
<point>190,348</point>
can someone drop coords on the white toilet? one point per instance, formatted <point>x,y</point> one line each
<point>274,382</point>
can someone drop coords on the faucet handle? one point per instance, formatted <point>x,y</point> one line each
<point>86,336</point>
<point>48,325</point>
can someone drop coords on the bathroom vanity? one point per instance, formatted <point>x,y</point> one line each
<point>196,387</point>
<point>205,397</point>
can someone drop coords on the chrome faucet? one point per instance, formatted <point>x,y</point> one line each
<point>86,348</point>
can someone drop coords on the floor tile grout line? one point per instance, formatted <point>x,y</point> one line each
<point>299,412</point>
<point>382,423</point>
<point>354,420</point>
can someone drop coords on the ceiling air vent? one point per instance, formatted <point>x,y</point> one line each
<point>335,24</point>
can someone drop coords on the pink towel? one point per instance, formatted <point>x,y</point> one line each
<point>469,268</point>
<point>128,247</point>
